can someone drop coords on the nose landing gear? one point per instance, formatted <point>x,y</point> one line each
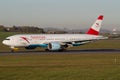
<point>13,49</point>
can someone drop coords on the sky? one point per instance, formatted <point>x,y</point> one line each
<point>71,14</point>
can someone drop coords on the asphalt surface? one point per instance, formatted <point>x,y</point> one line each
<point>97,51</point>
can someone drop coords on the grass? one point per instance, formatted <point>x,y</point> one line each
<point>101,44</point>
<point>60,67</point>
<point>3,35</point>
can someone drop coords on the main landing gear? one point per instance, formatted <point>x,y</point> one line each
<point>61,50</point>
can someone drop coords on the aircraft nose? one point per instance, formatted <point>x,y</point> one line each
<point>4,42</point>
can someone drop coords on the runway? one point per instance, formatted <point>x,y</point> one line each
<point>90,51</point>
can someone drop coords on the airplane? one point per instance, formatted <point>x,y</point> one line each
<point>55,42</point>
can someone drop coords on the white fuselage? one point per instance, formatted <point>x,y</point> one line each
<point>32,39</point>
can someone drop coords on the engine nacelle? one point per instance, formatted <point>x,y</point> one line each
<point>54,46</point>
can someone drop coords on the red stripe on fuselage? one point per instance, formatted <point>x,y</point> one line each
<point>93,32</point>
<point>24,38</point>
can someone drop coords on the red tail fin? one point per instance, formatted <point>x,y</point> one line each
<point>94,30</point>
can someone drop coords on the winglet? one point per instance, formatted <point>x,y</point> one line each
<point>94,30</point>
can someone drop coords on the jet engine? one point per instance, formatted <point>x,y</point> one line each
<point>54,46</point>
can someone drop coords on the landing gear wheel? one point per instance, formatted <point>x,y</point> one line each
<point>47,50</point>
<point>61,50</point>
<point>12,50</point>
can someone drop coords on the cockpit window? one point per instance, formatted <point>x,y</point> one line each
<point>7,39</point>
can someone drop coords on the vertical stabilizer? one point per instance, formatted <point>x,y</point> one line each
<point>94,30</point>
